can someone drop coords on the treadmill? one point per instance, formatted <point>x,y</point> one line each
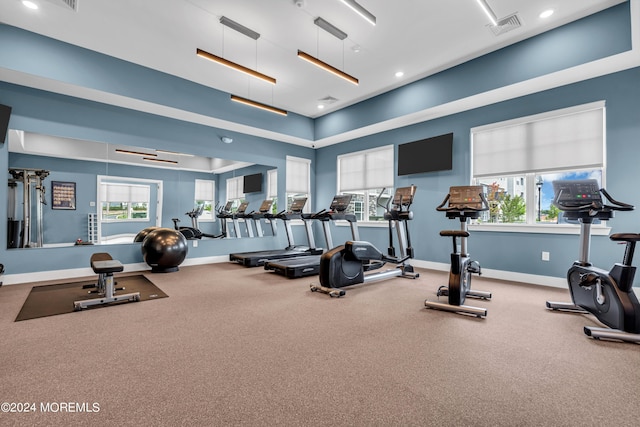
<point>224,214</point>
<point>258,258</point>
<point>310,265</point>
<point>264,212</point>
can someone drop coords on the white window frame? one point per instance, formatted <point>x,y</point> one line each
<point>370,181</point>
<point>115,179</point>
<point>298,183</point>
<point>530,225</point>
<point>200,188</point>
<point>234,190</point>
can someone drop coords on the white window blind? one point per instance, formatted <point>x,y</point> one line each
<point>235,187</point>
<point>561,140</point>
<point>117,192</point>
<point>298,172</point>
<point>204,189</point>
<point>272,183</point>
<point>367,169</point>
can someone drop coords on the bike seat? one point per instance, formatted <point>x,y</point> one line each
<point>454,233</point>
<point>625,237</point>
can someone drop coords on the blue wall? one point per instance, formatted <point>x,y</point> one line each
<point>518,252</point>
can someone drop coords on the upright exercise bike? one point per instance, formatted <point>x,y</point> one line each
<point>346,265</point>
<point>465,202</point>
<point>608,295</point>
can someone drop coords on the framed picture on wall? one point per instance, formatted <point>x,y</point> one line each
<point>63,195</point>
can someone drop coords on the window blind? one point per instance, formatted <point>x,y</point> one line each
<point>272,183</point>
<point>562,141</point>
<point>130,193</point>
<point>204,189</point>
<point>364,170</point>
<point>234,188</point>
<point>298,173</point>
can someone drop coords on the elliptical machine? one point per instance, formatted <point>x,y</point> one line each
<point>346,265</point>
<point>608,295</point>
<point>193,232</point>
<point>465,202</point>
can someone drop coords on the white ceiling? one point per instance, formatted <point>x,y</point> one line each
<point>418,37</point>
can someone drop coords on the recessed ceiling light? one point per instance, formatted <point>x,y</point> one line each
<point>356,48</point>
<point>29,4</point>
<point>399,73</point>
<point>320,107</point>
<point>546,13</point>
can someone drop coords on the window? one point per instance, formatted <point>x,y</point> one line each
<point>272,188</point>
<point>124,202</point>
<point>518,160</point>
<point>298,181</point>
<point>234,191</point>
<point>364,174</point>
<point>205,196</point>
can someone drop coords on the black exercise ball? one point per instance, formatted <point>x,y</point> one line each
<point>142,234</point>
<point>164,249</point>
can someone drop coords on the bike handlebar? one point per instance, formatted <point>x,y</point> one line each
<point>597,206</point>
<point>441,208</point>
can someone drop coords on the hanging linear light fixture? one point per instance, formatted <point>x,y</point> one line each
<point>253,73</point>
<point>357,8</point>
<point>135,153</point>
<point>260,105</point>
<point>215,58</point>
<point>333,30</point>
<point>153,159</point>
<point>318,63</point>
<point>487,10</point>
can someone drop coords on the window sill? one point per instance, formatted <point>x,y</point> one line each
<point>378,224</point>
<point>596,230</point>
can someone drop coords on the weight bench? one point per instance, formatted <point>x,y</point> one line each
<point>104,266</point>
<point>99,286</point>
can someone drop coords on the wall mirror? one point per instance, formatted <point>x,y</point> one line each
<point>65,191</point>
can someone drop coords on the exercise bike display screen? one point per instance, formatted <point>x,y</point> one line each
<point>468,196</point>
<point>571,193</point>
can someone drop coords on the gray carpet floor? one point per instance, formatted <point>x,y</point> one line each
<point>239,346</point>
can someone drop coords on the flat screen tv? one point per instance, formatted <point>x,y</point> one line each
<point>252,183</point>
<point>5,113</point>
<point>426,155</point>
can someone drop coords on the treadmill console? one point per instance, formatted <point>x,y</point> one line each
<point>340,202</point>
<point>466,197</point>
<point>265,207</point>
<point>298,204</point>
<point>574,193</point>
<point>242,208</point>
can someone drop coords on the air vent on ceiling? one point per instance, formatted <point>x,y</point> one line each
<point>505,25</point>
<point>328,99</point>
<point>68,4</point>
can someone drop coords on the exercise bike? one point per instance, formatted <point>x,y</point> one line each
<point>465,202</point>
<point>346,265</point>
<point>608,295</point>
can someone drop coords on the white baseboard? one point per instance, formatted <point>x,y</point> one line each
<point>556,282</point>
<point>75,273</point>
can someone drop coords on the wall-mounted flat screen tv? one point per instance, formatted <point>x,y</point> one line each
<point>5,113</point>
<point>426,155</point>
<point>252,183</point>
